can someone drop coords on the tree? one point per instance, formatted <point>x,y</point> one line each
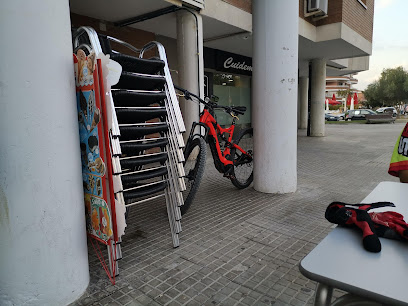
<point>344,93</point>
<point>390,89</point>
<point>374,95</point>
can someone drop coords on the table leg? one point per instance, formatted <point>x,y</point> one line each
<point>323,295</point>
<point>352,300</point>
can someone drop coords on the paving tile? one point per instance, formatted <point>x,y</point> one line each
<point>106,301</point>
<point>144,299</point>
<point>173,303</point>
<point>200,299</point>
<point>172,293</point>
<point>191,292</point>
<point>199,286</point>
<point>134,303</point>
<point>229,302</point>
<point>135,293</point>
<point>117,295</point>
<point>248,300</point>
<point>124,299</point>
<point>209,292</point>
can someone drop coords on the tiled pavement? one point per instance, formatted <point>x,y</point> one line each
<point>242,247</point>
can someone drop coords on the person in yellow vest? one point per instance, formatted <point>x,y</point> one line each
<point>399,159</point>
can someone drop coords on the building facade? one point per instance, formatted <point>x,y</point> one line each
<point>271,56</point>
<point>340,83</point>
<point>342,89</point>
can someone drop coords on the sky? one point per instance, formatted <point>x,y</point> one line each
<point>390,40</point>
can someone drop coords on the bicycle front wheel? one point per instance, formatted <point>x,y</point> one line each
<point>243,171</point>
<point>194,165</point>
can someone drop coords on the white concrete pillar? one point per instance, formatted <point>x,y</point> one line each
<point>318,86</point>
<point>190,63</point>
<point>43,250</point>
<point>303,99</point>
<point>303,87</point>
<point>274,94</point>
<point>298,105</point>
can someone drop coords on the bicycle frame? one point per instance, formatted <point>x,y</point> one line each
<point>214,129</point>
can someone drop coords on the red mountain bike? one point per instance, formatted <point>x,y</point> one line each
<point>233,156</point>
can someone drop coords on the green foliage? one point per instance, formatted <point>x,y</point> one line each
<point>389,90</point>
<point>373,94</point>
<point>334,107</point>
<point>345,93</point>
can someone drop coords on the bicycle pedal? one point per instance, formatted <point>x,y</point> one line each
<point>229,176</point>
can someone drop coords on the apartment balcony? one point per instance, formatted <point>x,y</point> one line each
<point>337,87</point>
<point>345,33</point>
<point>338,79</point>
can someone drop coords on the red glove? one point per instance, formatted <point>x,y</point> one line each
<point>345,214</point>
<point>390,224</point>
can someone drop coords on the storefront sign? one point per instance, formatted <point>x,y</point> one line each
<point>227,62</point>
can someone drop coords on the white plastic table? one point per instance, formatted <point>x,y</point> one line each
<point>340,260</point>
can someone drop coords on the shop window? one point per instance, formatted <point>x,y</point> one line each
<point>233,90</point>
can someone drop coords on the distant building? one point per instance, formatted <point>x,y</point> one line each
<point>334,84</point>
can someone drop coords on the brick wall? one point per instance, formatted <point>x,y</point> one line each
<point>335,11</point>
<point>245,5</point>
<point>135,37</point>
<point>358,18</point>
<point>350,12</point>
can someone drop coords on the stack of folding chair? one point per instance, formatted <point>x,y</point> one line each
<point>146,141</point>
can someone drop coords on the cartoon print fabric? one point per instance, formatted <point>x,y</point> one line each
<point>84,68</point>
<point>90,132</point>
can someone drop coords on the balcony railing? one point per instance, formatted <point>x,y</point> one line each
<point>337,86</point>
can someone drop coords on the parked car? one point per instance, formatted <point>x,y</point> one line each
<point>390,110</point>
<point>358,114</point>
<point>330,117</point>
<point>341,116</point>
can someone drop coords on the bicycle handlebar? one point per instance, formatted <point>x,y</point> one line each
<point>229,109</point>
<point>188,95</point>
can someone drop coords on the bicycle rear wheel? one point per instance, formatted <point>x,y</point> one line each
<point>194,165</point>
<point>243,171</point>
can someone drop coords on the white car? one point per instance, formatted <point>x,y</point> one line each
<point>387,110</point>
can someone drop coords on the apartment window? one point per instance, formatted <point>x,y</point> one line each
<point>363,3</point>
